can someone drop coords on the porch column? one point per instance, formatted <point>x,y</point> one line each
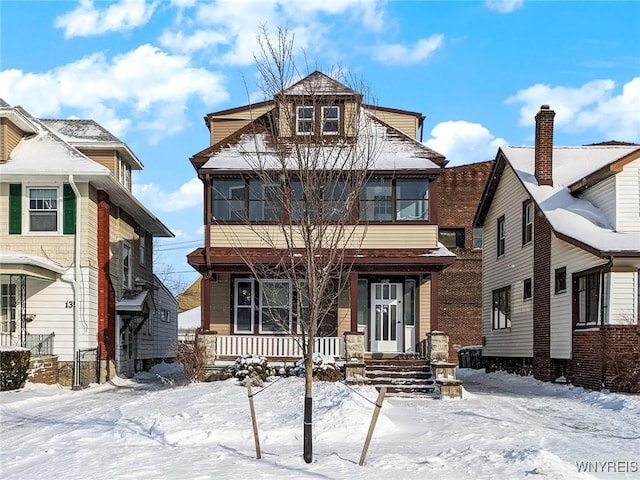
<point>353,290</point>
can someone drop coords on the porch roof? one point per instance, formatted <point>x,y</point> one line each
<point>136,302</point>
<point>25,264</point>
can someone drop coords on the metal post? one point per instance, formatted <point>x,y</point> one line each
<point>372,426</point>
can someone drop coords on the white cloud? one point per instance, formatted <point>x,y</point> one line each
<point>595,105</point>
<point>227,30</point>
<point>188,195</point>
<point>86,20</point>
<point>397,54</point>
<point>119,92</point>
<point>504,6</point>
<point>464,142</point>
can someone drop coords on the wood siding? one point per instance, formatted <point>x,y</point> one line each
<point>407,124</point>
<point>161,344</point>
<point>575,260</point>
<point>603,196</point>
<point>508,270</point>
<point>387,236</point>
<point>10,136</point>
<point>623,308</point>
<point>221,126</point>
<point>220,316</point>
<point>628,198</point>
<point>106,158</point>
<point>424,308</point>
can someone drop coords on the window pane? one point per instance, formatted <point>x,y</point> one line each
<point>376,201</point>
<point>264,201</point>
<point>244,293</point>
<point>243,320</point>
<point>330,120</point>
<point>409,302</point>
<point>305,120</point>
<point>412,199</point>
<point>229,199</point>
<point>363,302</point>
<point>43,222</point>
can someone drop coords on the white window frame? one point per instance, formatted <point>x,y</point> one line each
<point>527,222</point>
<point>26,220</point>
<point>126,269</point>
<point>310,120</point>
<point>142,247</point>
<point>262,306</point>
<point>124,173</point>
<point>236,306</point>
<point>330,119</point>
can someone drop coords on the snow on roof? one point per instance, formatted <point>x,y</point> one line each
<point>8,257</point>
<point>391,150</point>
<point>79,130</point>
<point>316,84</point>
<point>573,217</point>
<point>190,319</point>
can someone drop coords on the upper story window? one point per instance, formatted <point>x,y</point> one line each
<point>330,120</point>
<point>124,173</point>
<point>385,200</point>
<point>500,236</point>
<point>477,238</point>
<point>126,266</point>
<point>527,222</point>
<point>451,237</point>
<point>43,209</point>
<point>241,199</point>
<point>501,314</point>
<point>142,248</point>
<point>305,120</point>
<point>329,202</point>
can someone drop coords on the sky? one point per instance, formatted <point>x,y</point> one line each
<point>153,427</point>
<point>478,70</point>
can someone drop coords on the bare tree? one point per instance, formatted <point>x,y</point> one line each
<point>307,160</point>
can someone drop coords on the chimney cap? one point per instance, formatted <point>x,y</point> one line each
<point>544,107</point>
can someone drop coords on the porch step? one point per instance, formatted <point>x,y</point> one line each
<point>402,378</point>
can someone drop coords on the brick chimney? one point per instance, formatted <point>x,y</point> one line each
<point>544,146</point>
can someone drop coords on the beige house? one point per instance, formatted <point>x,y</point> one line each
<point>561,261</point>
<point>76,276</point>
<point>391,297</point>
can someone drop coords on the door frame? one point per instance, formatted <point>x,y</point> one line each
<point>377,346</point>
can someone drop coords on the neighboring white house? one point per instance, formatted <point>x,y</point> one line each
<point>76,259</point>
<point>188,322</point>
<point>561,260</point>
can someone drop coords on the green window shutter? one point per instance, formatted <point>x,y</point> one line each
<point>15,208</point>
<point>68,210</point>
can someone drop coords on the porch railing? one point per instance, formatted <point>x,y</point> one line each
<point>275,346</point>
<point>38,344</point>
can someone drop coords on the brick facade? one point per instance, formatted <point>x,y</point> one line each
<point>542,365</point>
<point>460,285</point>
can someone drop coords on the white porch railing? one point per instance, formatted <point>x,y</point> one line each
<point>275,346</point>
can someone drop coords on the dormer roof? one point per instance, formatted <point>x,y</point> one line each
<point>319,84</point>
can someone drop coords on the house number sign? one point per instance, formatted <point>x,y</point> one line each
<point>68,304</point>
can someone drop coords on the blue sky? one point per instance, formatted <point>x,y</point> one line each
<point>478,70</point>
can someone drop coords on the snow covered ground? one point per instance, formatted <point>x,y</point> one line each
<point>505,427</point>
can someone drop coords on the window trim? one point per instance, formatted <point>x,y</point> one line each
<point>527,222</point>
<point>311,120</point>
<point>261,329</point>
<point>323,120</point>
<point>59,207</point>
<point>495,319</point>
<point>501,236</point>
<point>127,270</point>
<point>251,308</point>
<point>527,289</point>
<point>558,272</point>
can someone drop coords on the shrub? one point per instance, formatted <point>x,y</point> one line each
<point>255,367</point>
<point>192,356</point>
<point>14,368</point>
<point>324,368</point>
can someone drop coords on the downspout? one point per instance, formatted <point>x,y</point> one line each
<point>76,290</point>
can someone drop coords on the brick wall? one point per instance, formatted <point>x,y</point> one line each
<point>606,358</point>
<point>44,370</point>
<point>460,285</point>
<point>543,368</point>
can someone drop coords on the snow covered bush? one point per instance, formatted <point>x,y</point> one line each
<point>255,367</point>
<point>324,368</point>
<point>14,367</point>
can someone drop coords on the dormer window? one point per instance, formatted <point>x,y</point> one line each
<point>305,120</point>
<point>330,120</point>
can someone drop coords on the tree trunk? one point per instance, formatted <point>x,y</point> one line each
<point>308,400</point>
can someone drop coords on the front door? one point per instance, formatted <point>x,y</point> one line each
<point>386,317</point>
